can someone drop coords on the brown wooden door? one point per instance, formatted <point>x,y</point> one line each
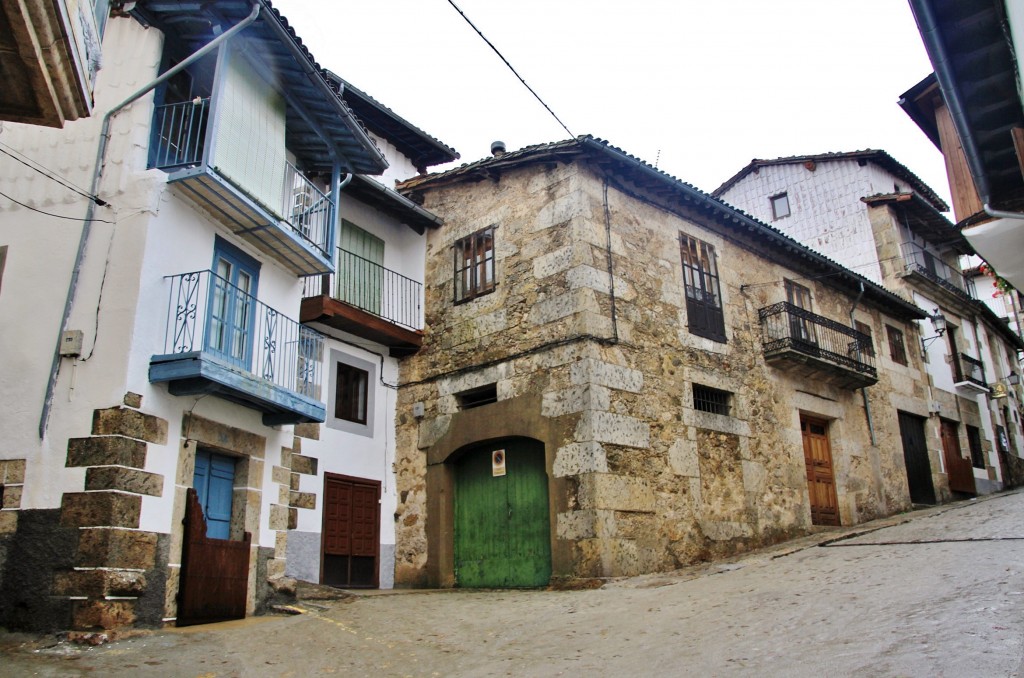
<point>214,572</point>
<point>959,470</point>
<point>821,483</point>
<point>351,532</point>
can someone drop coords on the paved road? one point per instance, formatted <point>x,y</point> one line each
<point>938,592</point>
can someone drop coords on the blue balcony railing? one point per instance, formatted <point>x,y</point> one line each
<point>278,195</point>
<point>919,260</point>
<point>372,288</point>
<point>253,352</point>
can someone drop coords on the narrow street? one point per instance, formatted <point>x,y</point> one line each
<point>939,592</point>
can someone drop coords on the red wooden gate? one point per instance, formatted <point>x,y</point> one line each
<point>214,572</point>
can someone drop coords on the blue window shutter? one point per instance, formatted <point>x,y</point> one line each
<point>214,481</point>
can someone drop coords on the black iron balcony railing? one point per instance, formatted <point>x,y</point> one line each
<point>180,139</point>
<point>790,328</point>
<point>970,369</point>
<point>372,288</point>
<point>919,260</point>
<point>208,315</point>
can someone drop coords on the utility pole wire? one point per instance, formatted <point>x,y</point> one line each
<point>514,72</point>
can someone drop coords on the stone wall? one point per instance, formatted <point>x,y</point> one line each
<point>640,480</point>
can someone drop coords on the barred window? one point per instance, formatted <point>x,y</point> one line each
<point>974,443</point>
<point>474,265</point>
<point>475,397</point>
<point>897,349</point>
<point>703,294</point>
<point>707,399</point>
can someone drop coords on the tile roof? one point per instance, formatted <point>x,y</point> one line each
<point>670,188</point>
<point>880,158</point>
<point>920,216</point>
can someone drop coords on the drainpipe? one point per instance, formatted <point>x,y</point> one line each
<point>611,270</point>
<point>101,153</point>
<point>864,390</point>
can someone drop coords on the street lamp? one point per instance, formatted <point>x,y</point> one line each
<point>939,323</point>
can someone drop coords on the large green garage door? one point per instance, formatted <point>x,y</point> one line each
<point>502,529</point>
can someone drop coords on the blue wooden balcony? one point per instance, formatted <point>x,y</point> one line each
<point>274,206</point>
<point>815,347</point>
<point>222,341</point>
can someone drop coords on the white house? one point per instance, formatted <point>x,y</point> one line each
<point>170,423</point>
<point>869,212</point>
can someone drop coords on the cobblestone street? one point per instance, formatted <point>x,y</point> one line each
<point>939,592</point>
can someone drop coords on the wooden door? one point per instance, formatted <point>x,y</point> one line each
<point>351,532</point>
<point>821,483</point>
<point>502,525</point>
<point>915,456</point>
<point>959,470</point>
<point>214,578</point>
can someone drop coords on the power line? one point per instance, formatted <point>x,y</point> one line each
<point>514,72</point>
<point>50,174</point>
<point>50,214</point>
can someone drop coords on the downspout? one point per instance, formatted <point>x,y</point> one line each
<point>1000,214</point>
<point>864,390</point>
<point>94,188</point>
<point>611,270</point>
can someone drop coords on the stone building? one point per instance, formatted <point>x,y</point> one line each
<point>622,374</point>
<point>205,274</point>
<point>869,212</point>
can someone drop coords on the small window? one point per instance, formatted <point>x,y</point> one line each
<point>474,265</point>
<point>897,349</point>
<point>707,399</point>
<point>3,261</point>
<point>974,442</point>
<point>865,329</point>
<point>704,315</point>
<point>780,205</point>
<point>350,393</point>
<point>475,397</point>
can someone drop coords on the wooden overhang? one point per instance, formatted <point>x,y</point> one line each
<point>347,318</point>
<point>392,203</point>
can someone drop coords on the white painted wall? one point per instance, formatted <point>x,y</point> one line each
<point>399,168</point>
<point>827,214</point>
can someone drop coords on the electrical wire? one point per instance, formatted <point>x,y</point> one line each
<point>51,214</point>
<point>510,67</point>
<point>824,275</point>
<point>53,176</point>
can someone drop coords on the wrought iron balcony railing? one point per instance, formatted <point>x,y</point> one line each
<point>372,288</point>
<point>970,369</point>
<point>919,260</point>
<point>180,140</point>
<point>790,328</point>
<point>208,315</point>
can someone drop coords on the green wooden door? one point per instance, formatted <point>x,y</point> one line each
<point>502,528</point>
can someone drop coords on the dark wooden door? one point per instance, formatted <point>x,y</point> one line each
<point>502,525</point>
<point>214,572</point>
<point>915,456</point>
<point>351,532</point>
<point>959,470</point>
<point>821,483</point>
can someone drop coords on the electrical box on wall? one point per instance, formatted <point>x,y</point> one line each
<point>71,343</point>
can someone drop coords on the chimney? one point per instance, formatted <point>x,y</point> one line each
<point>497,148</point>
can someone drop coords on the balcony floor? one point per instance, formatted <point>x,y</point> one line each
<point>802,363</point>
<point>201,372</point>
<point>342,316</point>
<point>251,221</point>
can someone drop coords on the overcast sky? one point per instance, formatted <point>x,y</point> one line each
<point>699,86</point>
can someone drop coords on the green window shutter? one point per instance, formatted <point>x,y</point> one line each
<point>360,268</point>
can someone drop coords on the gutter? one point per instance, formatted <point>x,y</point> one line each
<point>929,27</point>
<point>97,176</point>
<point>864,390</point>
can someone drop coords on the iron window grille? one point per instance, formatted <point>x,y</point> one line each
<point>475,397</point>
<point>897,348</point>
<point>713,400</point>
<point>703,293</point>
<point>474,265</point>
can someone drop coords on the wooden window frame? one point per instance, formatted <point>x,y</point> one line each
<point>865,329</point>
<point>775,200</point>
<point>351,405</point>
<point>474,265</point>
<point>705,314</point>
<point>897,346</point>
